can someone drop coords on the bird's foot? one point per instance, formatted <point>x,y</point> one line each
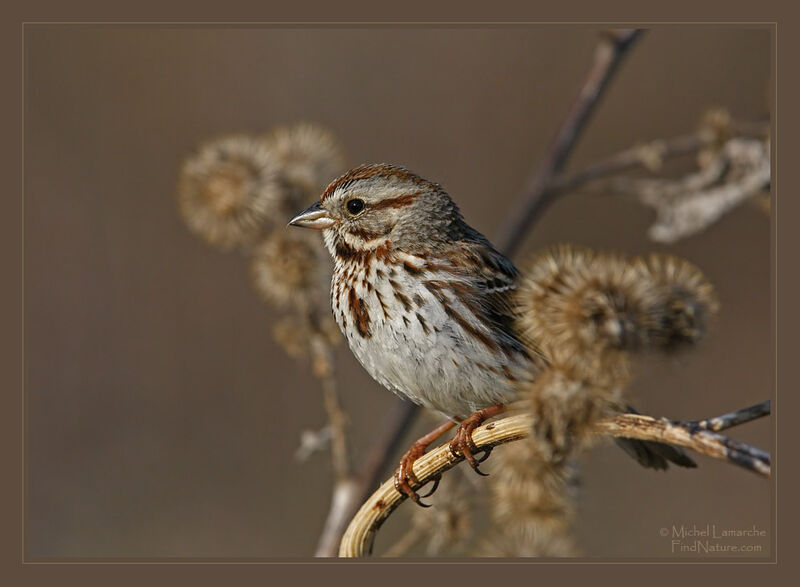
<point>462,444</point>
<point>404,477</point>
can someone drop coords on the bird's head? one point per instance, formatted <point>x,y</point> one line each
<point>373,204</point>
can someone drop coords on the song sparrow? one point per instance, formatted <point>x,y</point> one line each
<point>423,300</point>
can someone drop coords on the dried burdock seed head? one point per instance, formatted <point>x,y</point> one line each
<point>228,190</point>
<point>294,334</point>
<point>565,406</point>
<point>579,306</point>
<point>688,300</point>
<point>309,158</point>
<point>529,540</point>
<point>289,267</point>
<point>532,504</point>
<point>447,526</point>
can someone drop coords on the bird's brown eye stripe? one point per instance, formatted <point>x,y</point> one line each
<point>396,202</point>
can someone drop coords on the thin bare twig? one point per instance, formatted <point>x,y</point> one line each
<point>359,537</point>
<point>535,197</point>
<point>733,418</point>
<point>351,492</point>
<point>344,483</point>
<point>643,155</point>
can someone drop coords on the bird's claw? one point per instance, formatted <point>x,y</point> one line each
<point>404,477</point>
<point>463,445</point>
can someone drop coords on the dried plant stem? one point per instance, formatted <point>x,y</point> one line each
<point>685,434</point>
<point>351,490</point>
<point>608,55</point>
<point>637,157</point>
<point>733,418</point>
<point>357,540</point>
<point>345,485</point>
<point>338,423</point>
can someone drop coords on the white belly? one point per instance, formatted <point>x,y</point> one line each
<point>416,350</point>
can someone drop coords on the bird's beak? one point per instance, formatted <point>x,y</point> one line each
<point>315,216</point>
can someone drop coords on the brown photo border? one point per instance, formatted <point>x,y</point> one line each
<point>17,571</point>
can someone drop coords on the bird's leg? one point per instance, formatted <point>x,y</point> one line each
<point>405,476</point>
<point>462,443</point>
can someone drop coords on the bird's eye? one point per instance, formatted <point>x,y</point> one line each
<point>355,206</point>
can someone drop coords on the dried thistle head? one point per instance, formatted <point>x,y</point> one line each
<point>688,300</point>
<point>309,157</point>
<point>295,335</point>
<point>566,404</point>
<point>290,267</point>
<point>532,504</point>
<point>447,526</point>
<point>529,540</point>
<point>228,190</point>
<point>584,308</point>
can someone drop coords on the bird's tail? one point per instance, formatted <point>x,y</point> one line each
<point>654,455</point>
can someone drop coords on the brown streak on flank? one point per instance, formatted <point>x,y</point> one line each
<point>435,287</point>
<point>418,300</point>
<point>403,300</point>
<point>405,320</point>
<point>507,373</point>
<point>481,336</point>
<point>360,314</point>
<point>396,202</point>
<point>423,323</point>
<point>463,292</point>
<point>412,269</point>
<point>383,305</point>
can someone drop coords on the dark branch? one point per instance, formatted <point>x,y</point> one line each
<point>535,197</point>
<point>733,418</point>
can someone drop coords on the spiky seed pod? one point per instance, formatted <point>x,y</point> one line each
<point>228,190</point>
<point>447,526</point>
<point>309,158</point>
<point>290,268</point>
<point>584,309</point>
<point>532,504</point>
<point>688,300</point>
<point>566,405</point>
<point>294,335</point>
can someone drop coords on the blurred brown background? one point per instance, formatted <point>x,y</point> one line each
<point>161,418</point>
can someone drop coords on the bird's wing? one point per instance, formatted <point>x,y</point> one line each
<point>492,279</point>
